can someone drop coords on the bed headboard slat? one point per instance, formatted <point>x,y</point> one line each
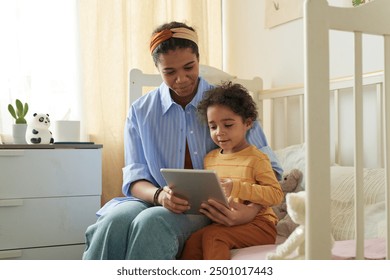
<point>386,99</point>
<point>316,85</point>
<point>358,145</point>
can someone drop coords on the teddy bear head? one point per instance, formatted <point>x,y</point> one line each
<point>291,181</point>
<point>40,121</point>
<point>296,207</point>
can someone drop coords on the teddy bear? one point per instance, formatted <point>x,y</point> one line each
<point>38,130</point>
<point>290,183</point>
<point>294,246</point>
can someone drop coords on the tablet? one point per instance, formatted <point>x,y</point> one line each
<point>195,185</point>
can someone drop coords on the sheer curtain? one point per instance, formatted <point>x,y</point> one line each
<point>114,38</point>
<point>39,59</point>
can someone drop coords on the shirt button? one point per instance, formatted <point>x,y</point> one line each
<point>195,153</point>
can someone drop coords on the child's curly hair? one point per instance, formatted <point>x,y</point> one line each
<point>234,96</point>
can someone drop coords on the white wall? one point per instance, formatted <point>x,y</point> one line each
<point>276,55</point>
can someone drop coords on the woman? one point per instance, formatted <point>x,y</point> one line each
<point>163,131</point>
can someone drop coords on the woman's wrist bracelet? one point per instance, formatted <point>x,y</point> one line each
<point>155,197</point>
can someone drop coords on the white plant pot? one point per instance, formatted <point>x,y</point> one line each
<point>19,133</point>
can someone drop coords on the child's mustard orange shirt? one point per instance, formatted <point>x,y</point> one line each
<point>252,175</point>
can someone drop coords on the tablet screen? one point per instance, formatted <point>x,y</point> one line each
<point>195,185</point>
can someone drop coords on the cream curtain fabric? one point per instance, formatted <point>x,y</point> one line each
<point>114,37</point>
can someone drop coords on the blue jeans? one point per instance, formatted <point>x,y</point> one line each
<point>134,230</point>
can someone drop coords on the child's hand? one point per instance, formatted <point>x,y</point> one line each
<point>227,186</point>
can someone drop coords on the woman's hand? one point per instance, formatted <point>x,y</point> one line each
<point>145,190</point>
<point>237,214</point>
<point>173,203</point>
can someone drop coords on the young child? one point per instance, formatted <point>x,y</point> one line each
<point>246,175</point>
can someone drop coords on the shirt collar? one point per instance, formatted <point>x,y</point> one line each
<point>167,101</point>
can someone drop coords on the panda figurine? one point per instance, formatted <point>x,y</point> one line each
<point>38,130</point>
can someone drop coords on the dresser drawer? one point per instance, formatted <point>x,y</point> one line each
<point>49,172</point>
<point>71,252</point>
<point>29,223</point>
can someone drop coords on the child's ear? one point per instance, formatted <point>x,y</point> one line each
<point>249,123</point>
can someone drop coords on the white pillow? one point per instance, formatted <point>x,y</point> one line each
<point>293,157</point>
<point>343,206</point>
<point>342,194</point>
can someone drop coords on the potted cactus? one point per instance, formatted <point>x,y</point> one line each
<point>19,113</point>
<point>356,3</point>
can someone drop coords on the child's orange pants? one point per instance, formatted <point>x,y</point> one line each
<point>215,241</point>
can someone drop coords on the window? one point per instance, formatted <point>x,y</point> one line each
<point>39,59</point>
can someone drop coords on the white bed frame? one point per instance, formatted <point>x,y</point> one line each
<point>319,18</point>
<point>140,81</point>
<point>313,119</point>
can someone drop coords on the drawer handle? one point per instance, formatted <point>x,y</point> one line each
<point>10,254</point>
<point>11,202</point>
<point>11,153</point>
